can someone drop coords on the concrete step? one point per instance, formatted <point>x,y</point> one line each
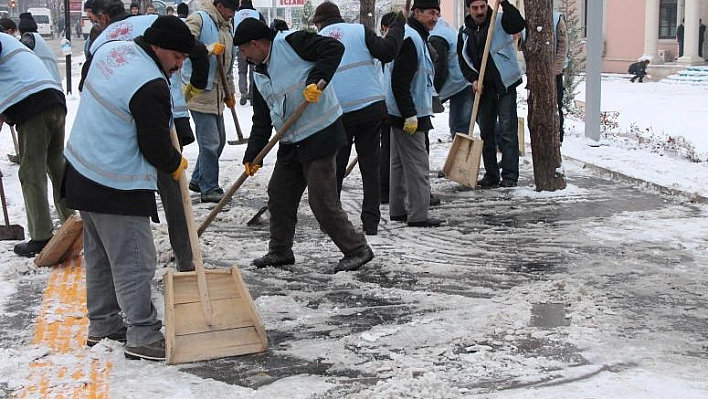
<point>696,74</point>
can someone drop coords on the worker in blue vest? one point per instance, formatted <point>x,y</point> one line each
<point>245,70</point>
<point>32,100</point>
<point>359,88</point>
<point>449,82</point>
<point>288,67</point>
<point>409,99</point>
<point>502,76</point>
<point>120,139</point>
<point>34,41</point>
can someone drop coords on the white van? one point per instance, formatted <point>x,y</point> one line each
<point>45,22</point>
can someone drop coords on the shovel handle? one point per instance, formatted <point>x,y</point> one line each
<point>257,160</point>
<point>4,204</point>
<point>222,74</point>
<point>483,68</point>
<point>14,140</point>
<point>193,239</point>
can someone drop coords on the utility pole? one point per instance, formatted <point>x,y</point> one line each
<point>67,33</point>
<point>593,71</point>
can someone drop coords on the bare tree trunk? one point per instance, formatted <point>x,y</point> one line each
<point>367,13</point>
<point>543,121</point>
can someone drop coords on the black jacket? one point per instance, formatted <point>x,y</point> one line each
<point>385,50</point>
<point>325,53</point>
<point>151,109</point>
<point>512,22</point>
<point>404,68</point>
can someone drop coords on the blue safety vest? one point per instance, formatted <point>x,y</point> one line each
<point>127,29</point>
<point>243,14</point>
<point>208,35</point>
<point>21,73</point>
<point>103,145</point>
<point>357,81</point>
<point>282,89</point>
<point>503,54</point>
<point>421,88</point>
<point>455,81</point>
<point>42,50</point>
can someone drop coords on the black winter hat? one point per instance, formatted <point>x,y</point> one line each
<point>326,11</point>
<point>246,5</point>
<point>169,32</point>
<point>232,4</point>
<point>182,9</point>
<point>27,23</point>
<point>251,29</point>
<point>426,4</point>
<point>468,2</point>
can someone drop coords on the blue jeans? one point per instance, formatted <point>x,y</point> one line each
<point>211,139</point>
<point>492,107</point>
<point>460,111</point>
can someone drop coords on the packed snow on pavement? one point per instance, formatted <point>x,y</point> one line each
<point>595,291</point>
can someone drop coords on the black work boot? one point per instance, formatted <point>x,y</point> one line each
<point>354,260</point>
<point>154,351</point>
<point>119,336</point>
<point>274,259</point>
<point>30,248</point>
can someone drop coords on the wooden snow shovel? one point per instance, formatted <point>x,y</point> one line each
<point>462,163</point>
<point>9,231</point>
<point>67,243</point>
<point>240,140</point>
<point>256,161</point>
<point>14,158</point>
<point>209,314</point>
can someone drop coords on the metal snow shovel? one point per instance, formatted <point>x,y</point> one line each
<point>462,163</point>
<point>257,160</point>
<point>222,74</point>
<point>9,231</point>
<point>209,314</point>
<point>14,158</point>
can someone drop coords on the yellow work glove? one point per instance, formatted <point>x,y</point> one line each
<point>215,48</point>
<point>410,125</point>
<point>250,168</point>
<point>181,168</point>
<point>230,101</point>
<point>190,91</point>
<point>312,93</point>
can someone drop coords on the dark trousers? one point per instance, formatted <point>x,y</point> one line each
<point>365,135</point>
<point>559,98</point>
<point>385,160</point>
<point>286,186</point>
<point>638,75</point>
<point>492,107</point>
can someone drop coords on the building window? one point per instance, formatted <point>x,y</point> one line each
<point>667,19</point>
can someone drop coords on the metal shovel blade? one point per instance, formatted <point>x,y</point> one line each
<point>237,142</point>
<point>13,158</point>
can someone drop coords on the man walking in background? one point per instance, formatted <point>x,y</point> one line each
<point>245,70</point>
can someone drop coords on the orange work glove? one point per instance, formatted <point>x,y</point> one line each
<point>181,168</point>
<point>230,101</point>
<point>215,48</point>
<point>312,93</point>
<point>251,169</point>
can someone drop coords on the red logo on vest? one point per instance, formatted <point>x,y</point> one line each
<point>121,55</point>
<point>120,31</point>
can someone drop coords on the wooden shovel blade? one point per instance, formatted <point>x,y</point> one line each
<point>12,232</point>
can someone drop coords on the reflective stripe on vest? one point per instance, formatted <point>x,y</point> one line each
<point>284,93</point>
<point>103,144</point>
<point>357,81</point>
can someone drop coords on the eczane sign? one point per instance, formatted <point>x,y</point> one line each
<point>291,3</point>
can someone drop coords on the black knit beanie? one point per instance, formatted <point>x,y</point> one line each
<point>27,23</point>
<point>326,11</point>
<point>251,29</point>
<point>182,9</point>
<point>169,32</point>
<point>468,2</point>
<point>426,4</point>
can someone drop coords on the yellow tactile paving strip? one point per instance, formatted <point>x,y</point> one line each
<point>68,370</point>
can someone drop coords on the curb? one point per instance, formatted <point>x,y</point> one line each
<point>690,197</point>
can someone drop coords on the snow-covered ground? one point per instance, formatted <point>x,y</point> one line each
<point>596,291</point>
